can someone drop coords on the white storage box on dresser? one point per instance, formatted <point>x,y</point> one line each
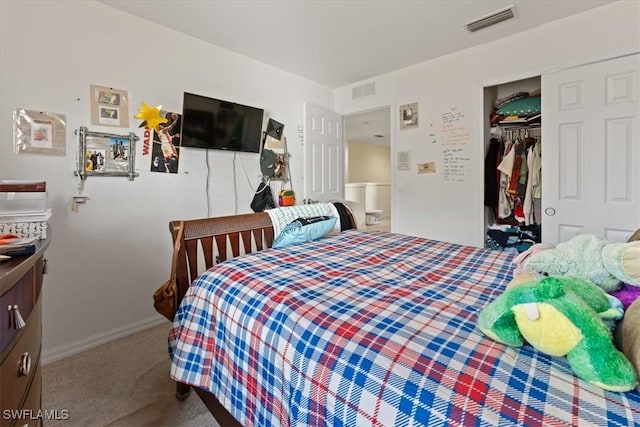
<point>23,208</point>
<point>23,202</point>
<point>21,338</point>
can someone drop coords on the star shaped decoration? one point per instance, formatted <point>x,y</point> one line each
<point>151,116</point>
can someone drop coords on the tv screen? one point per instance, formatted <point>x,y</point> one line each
<point>214,123</point>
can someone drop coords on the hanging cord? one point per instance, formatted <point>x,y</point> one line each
<point>246,175</point>
<point>235,185</point>
<point>207,185</point>
<point>288,162</point>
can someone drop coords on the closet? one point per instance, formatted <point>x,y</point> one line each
<point>513,165</point>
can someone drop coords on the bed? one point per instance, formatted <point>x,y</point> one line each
<point>360,328</point>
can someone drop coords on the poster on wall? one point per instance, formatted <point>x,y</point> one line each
<point>428,167</point>
<point>109,106</point>
<point>165,151</point>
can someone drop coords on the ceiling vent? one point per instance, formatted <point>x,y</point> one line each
<point>491,19</point>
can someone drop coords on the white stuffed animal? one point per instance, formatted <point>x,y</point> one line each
<point>587,256</point>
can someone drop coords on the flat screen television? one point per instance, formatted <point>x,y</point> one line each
<point>222,125</point>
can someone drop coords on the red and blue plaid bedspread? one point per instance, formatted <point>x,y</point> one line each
<point>368,328</point>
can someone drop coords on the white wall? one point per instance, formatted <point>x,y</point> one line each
<point>367,162</point>
<point>106,259</point>
<point>453,211</point>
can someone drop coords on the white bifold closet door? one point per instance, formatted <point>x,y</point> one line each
<point>591,150</point>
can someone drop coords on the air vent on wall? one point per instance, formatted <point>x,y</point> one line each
<point>491,19</point>
<point>367,89</point>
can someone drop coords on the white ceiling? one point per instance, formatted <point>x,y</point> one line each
<point>371,127</point>
<point>340,42</point>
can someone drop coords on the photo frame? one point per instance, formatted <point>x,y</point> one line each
<point>409,115</point>
<point>39,132</point>
<point>109,106</point>
<point>106,154</point>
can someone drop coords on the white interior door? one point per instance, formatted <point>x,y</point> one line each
<point>591,151</point>
<point>323,154</point>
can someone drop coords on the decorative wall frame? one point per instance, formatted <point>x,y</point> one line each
<point>409,115</point>
<point>106,154</point>
<point>39,132</point>
<point>109,106</point>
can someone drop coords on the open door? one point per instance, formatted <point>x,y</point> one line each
<point>323,154</point>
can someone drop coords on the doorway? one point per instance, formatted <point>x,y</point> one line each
<point>512,180</point>
<point>367,154</point>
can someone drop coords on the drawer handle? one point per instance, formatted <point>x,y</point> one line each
<point>25,364</point>
<point>17,322</point>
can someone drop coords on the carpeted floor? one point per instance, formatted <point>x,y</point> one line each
<point>125,383</point>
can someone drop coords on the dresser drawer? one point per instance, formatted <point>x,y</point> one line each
<point>21,364</point>
<point>22,295</point>
<point>32,403</point>
<point>30,414</point>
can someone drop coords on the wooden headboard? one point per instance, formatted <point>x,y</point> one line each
<point>209,241</point>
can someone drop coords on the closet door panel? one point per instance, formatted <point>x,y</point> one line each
<point>619,157</point>
<point>571,161</point>
<point>591,158</point>
<point>620,88</point>
<point>566,231</point>
<point>570,95</point>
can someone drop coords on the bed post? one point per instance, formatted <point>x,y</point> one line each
<point>182,391</point>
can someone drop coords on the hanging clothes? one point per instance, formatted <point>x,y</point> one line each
<point>528,195</point>
<point>537,182</point>
<point>490,175</point>
<point>505,204</point>
<point>518,176</point>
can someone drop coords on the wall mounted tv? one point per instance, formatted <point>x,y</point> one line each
<point>223,125</point>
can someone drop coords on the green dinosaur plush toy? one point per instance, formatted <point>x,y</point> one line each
<point>562,316</point>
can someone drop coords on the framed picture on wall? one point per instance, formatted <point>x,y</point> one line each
<point>106,154</point>
<point>39,132</point>
<point>109,106</point>
<point>409,115</point>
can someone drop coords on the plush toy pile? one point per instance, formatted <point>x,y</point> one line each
<point>558,303</point>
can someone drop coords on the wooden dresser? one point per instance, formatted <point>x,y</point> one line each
<point>20,338</point>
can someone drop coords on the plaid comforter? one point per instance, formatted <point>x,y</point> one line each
<point>368,328</point>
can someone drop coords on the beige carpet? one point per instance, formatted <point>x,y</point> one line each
<point>125,383</point>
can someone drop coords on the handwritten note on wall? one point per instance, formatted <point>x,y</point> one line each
<point>454,137</point>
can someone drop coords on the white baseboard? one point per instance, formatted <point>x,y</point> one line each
<point>64,351</point>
